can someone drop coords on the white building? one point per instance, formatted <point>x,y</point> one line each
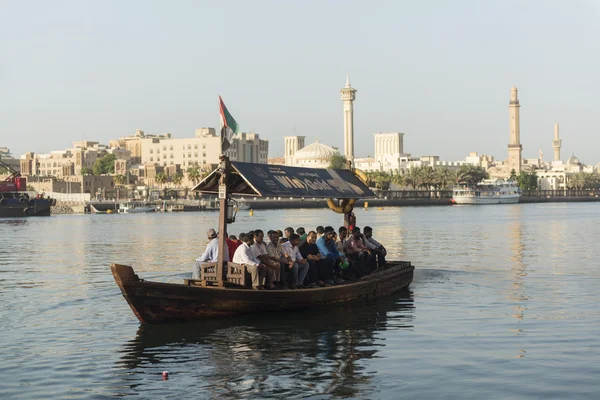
<point>203,149</point>
<point>315,155</point>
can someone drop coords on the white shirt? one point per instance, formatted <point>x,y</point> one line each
<point>259,249</point>
<point>371,243</point>
<point>211,253</point>
<point>293,252</point>
<point>244,255</point>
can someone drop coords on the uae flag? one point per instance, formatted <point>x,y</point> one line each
<point>228,126</point>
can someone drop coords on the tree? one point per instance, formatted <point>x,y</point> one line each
<point>427,176</point>
<point>105,165</point>
<point>444,176</point>
<point>513,175</point>
<point>382,181</point>
<point>470,174</point>
<point>177,178</point>
<point>527,181</point>
<point>398,180</point>
<point>86,171</point>
<point>30,188</point>
<point>119,180</point>
<point>584,180</point>
<point>160,179</point>
<point>194,174</point>
<point>338,161</point>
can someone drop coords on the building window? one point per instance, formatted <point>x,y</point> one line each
<point>171,148</point>
<point>203,154</point>
<point>151,151</point>
<point>189,155</point>
<point>189,146</point>
<point>151,158</point>
<point>203,146</point>
<point>171,155</point>
<point>164,148</point>
<point>183,155</point>
<point>196,155</point>
<point>195,147</point>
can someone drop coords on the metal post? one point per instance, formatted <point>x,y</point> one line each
<point>223,197</point>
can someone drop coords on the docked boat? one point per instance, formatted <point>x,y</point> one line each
<point>134,207</point>
<point>488,191</point>
<point>15,201</point>
<point>224,287</point>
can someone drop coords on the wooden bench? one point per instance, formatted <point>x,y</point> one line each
<point>234,274</point>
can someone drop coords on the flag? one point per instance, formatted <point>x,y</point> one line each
<point>228,126</point>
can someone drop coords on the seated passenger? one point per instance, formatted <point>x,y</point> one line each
<point>320,232</point>
<point>328,249</point>
<point>211,254</point>
<point>232,244</point>
<point>277,253</point>
<point>320,270</point>
<point>244,255</point>
<point>287,232</point>
<point>358,252</point>
<point>259,249</point>
<point>342,239</point>
<point>302,233</point>
<point>378,252</point>
<point>296,260</point>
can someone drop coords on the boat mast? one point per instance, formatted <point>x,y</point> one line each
<point>223,199</point>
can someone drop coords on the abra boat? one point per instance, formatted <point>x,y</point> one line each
<point>488,191</point>
<point>134,207</point>
<point>15,201</point>
<point>224,292</point>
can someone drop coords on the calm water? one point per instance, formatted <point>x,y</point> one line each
<point>503,305</point>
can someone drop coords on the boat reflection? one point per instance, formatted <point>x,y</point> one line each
<point>311,352</point>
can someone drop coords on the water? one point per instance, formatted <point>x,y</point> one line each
<point>503,305</point>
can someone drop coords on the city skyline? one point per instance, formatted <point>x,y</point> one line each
<point>68,77</point>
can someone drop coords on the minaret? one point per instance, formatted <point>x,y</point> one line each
<point>556,143</point>
<point>348,96</point>
<point>514,146</point>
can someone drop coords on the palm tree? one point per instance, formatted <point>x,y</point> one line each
<point>444,176</point>
<point>338,161</point>
<point>160,179</point>
<point>194,174</point>
<point>382,181</point>
<point>428,177</point>
<point>177,178</point>
<point>398,180</point>
<point>470,174</point>
<point>412,177</point>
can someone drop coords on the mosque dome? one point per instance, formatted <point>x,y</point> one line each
<point>573,160</point>
<point>315,151</point>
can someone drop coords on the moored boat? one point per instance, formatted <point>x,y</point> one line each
<point>135,207</point>
<point>489,191</point>
<point>16,202</point>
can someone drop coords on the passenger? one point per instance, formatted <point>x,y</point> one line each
<point>296,261</point>
<point>282,240</point>
<point>277,253</point>
<point>211,254</point>
<point>287,232</point>
<point>358,252</point>
<point>378,252</point>
<point>259,249</point>
<point>320,270</point>
<point>320,232</point>
<point>232,245</point>
<point>302,233</point>
<point>244,255</point>
<point>342,239</point>
<point>328,249</point>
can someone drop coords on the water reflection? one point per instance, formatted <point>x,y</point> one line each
<point>312,352</point>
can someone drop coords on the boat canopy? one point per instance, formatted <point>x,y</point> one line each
<point>267,180</point>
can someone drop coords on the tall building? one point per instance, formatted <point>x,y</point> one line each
<point>348,96</point>
<point>556,143</point>
<point>133,143</point>
<point>514,146</point>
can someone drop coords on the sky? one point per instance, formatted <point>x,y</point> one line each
<point>439,71</point>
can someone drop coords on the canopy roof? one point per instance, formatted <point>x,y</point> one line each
<point>276,180</point>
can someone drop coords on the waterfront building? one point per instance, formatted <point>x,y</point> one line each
<point>315,155</point>
<point>8,159</point>
<point>68,162</point>
<point>95,185</point>
<point>203,149</point>
<point>134,145</point>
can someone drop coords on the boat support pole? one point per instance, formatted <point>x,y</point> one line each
<point>223,197</point>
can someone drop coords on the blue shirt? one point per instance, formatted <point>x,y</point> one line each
<point>211,254</point>
<point>327,248</point>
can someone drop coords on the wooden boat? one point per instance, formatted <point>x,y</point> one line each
<point>157,302</point>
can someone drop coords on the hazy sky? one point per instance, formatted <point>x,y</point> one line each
<point>440,71</point>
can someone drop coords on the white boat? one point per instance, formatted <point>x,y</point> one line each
<point>136,207</point>
<point>489,191</point>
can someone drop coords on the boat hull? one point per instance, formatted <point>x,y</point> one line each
<point>13,208</point>
<point>484,200</point>
<point>155,302</point>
